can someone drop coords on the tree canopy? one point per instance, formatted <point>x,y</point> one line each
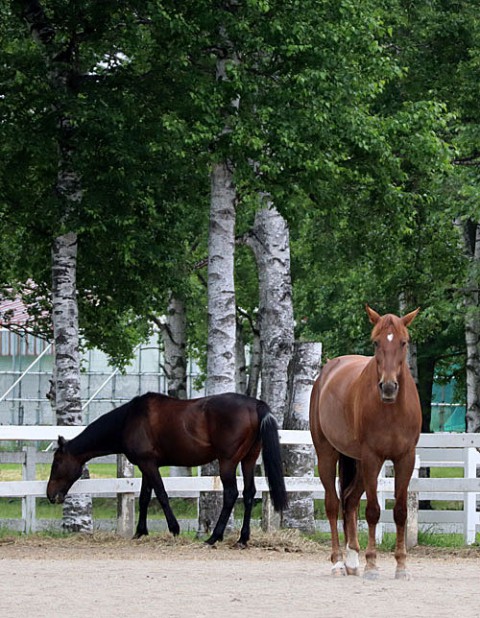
<point>357,118</point>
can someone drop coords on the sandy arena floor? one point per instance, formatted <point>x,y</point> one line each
<point>103,576</point>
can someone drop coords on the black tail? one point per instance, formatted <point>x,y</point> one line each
<point>272,458</point>
<point>347,470</point>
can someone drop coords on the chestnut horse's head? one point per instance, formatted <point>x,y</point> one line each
<point>66,469</point>
<point>390,338</point>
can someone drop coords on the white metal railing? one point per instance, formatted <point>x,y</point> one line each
<point>20,378</point>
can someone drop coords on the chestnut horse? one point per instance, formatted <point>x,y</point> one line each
<point>365,410</point>
<point>155,430</point>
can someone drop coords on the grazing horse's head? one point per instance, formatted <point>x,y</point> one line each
<point>390,338</point>
<point>66,469</point>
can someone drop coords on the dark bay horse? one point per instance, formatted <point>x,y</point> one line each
<point>155,430</point>
<point>363,411</point>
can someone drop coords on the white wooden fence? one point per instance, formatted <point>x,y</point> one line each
<point>435,450</point>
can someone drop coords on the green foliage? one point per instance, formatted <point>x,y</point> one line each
<point>348,114</point>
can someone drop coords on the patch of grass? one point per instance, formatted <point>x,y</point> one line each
<point>448,473</point>
<point>433,539</point>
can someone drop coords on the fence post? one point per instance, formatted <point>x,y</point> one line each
<point>380,528</point>
<point>412,511</point>
<point>470,498</point>
<point>28,502</point>
<point>125,501</point>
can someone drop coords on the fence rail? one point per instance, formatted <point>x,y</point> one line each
<point>435,450</point>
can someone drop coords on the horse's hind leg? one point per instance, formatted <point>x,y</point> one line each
<point>230,495</point>
<point>350,499</point>
<point>248,471</point>
<point>144,501</point>
<point>327,471</point>
<point>371,466</point>
<point>154,480</point>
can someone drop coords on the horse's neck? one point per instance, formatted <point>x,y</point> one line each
<point>100,438</point>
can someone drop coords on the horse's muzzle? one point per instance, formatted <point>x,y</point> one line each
<point>58,498</point>
<point>388,391</point>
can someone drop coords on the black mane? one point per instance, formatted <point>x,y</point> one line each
<point>105,433</point>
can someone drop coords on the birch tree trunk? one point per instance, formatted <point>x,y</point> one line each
<point>270,243</point>
<point>240,361</point>
<point>471,243</point>
<point>255,364</point>
<point>221,314</point>
<point>300,458</point>
<point>174,337</point>
<point>472,340</point>
<point>222,340</point>
<point>77,509</point>
<point>60,65</point>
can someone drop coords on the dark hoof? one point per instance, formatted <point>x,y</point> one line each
<point>240,545</point>
<point>138,535</point>
<point>174,529</point>
<point>212,540</point>
<point>208,545</point>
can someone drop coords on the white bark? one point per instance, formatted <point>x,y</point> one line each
<point>66,387</point>
<point>221,288</point>
<point>65,329</point>
<point>221,313</point>
<point>300,458</point>
<point>472,341</point>
<point>270,243</point>
<point>255,364</point>
<point>471,244</point>
<point>174,337</point>
<point>77,511</point>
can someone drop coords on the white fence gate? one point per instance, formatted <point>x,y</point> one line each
<point>434,450</point>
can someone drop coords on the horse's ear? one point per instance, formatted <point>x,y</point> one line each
<point>373,316</point>
<point>61,442</point>
<point>408,319</point>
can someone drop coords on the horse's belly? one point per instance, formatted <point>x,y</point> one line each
<point>335,414</point>
<point>186,457</point>
<point>342,438</point>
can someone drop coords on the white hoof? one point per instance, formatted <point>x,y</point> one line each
<point>355,571</point>
<point>338,569</point>
<point>402,574</point>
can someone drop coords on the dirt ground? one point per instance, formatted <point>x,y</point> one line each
<point>279,575</point>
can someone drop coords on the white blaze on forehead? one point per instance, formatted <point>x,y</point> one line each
<point>390,336</point>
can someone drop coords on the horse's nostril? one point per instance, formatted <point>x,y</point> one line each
<point>389,390</point>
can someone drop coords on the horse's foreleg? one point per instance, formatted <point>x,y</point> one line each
<point>154,479</point>
<point>230,495</point>
<point>144,501</point>
<point>327,470</point>
<point>403,472</point>
<point>371,467</point>
<point>350,508</point>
